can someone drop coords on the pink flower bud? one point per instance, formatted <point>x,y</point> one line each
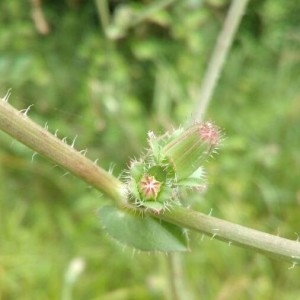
<point>149,187</point>
<point>188,150</point>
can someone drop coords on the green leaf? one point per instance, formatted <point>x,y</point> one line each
<point>195,180</point>
<point>142,232</point>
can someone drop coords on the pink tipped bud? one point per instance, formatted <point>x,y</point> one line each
<point>188,150</point>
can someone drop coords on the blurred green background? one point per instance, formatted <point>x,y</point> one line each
<point>109,90</point>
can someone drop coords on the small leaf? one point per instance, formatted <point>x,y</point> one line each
<point>195,180</point>
<point>142,232</point>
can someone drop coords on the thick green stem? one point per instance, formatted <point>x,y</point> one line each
<point>18,125</point>
<point>234,234</point>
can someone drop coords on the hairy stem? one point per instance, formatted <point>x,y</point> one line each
<point>220,52</point>
<point>234,234</point>
<point>19,126</point>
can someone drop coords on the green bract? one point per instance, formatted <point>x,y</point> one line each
<point>172,161</point>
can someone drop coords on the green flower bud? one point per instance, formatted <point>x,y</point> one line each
<point>188,150</point>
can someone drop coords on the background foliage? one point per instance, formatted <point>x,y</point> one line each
<point>109,89</point>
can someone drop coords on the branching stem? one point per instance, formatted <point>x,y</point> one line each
<point>19,126</point>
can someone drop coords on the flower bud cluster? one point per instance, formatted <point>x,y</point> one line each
<point>172,161</point>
